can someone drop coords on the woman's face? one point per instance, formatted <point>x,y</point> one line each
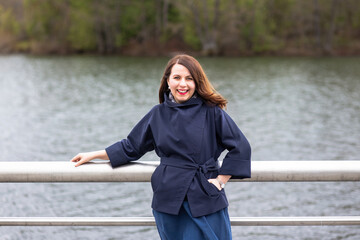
<point>181,83</point>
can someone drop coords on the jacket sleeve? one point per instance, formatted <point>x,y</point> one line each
<point>237,161</point>
<point>137,143</point>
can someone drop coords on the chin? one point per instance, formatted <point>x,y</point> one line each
<point>181,100</point>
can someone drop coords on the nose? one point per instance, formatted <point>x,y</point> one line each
<point>182,82</point>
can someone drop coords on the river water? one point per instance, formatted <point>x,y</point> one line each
<point>289,108</point>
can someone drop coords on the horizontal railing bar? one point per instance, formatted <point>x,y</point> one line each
<point>77,221</point>
<point>149,221</point>
<point>296,221</point>
<point>141,171</point>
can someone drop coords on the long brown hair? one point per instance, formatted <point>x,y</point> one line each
<point>203,86</point>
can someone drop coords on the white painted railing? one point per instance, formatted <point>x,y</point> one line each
<point>262,171</point>
<point>149,221</point>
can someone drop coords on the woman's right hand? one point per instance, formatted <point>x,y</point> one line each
<point>85,157</point>
<point>82,158</point>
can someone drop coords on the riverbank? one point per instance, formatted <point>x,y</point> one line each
<point>9,45</point>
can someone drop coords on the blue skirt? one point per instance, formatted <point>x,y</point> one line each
<point>215,226</point>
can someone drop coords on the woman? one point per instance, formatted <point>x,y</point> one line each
<point>188,130</point>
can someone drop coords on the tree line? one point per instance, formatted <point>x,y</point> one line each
<point>160,27</point>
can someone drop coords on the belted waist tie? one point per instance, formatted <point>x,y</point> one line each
<point>209,166</point>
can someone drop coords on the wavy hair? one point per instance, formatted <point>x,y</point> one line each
<point>203,87</point>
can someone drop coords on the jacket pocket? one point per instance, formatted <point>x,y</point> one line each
<point>210,189</point>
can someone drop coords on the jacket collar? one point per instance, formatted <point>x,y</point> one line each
<point>194,100</point>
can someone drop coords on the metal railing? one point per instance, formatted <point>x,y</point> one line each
<point>262,171</point>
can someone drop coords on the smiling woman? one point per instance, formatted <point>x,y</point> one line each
<point>188,131</point>
<point>189,67</point>
<point>181,83</point>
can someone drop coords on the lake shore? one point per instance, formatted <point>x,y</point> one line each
<point>171,48</point>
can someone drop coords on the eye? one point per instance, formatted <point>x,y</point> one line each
<point>176,77</point>
<point>189,78</point>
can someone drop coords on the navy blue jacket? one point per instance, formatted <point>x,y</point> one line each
<point>188,138</point>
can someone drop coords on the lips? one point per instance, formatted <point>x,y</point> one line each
<point>182,92</point>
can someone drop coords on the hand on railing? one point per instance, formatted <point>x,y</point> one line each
<point>82,158</point>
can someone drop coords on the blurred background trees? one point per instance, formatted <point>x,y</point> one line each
<point>162,27</point>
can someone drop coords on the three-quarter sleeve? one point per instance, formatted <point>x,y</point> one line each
<point>138,142</point>
<point>237,160</point>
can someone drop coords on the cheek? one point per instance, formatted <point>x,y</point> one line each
<point>193,86</point>
<point>171,84</point>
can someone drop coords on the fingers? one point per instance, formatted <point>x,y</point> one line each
<point>79,163</point>
<point>84,157</point>
<point>215,182</point>
<point>76,158</point>
<point>79,159</point>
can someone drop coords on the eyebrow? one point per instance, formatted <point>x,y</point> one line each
<point>180,75</point>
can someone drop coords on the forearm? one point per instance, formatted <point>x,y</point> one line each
<point>224,178</point>
<point>101,154</point>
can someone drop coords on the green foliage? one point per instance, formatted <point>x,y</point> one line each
<point>244,26</point>
<point>8,22</point>
<point>43,18</point>
<point>174,15</point>
<point>22,46</point>
<point>191,38</point>
<point>81,34</point>
<point>130,21</point>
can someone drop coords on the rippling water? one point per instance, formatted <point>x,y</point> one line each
<point>289,108</point>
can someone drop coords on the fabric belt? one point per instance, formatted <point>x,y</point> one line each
<point>209,166</point>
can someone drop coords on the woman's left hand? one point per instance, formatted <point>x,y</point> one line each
<point>222,178</point>
<point>215,182</point>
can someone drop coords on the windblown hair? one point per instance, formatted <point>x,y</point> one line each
<point>203,87</point>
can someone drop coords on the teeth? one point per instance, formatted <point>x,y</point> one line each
<point>182,91</point>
